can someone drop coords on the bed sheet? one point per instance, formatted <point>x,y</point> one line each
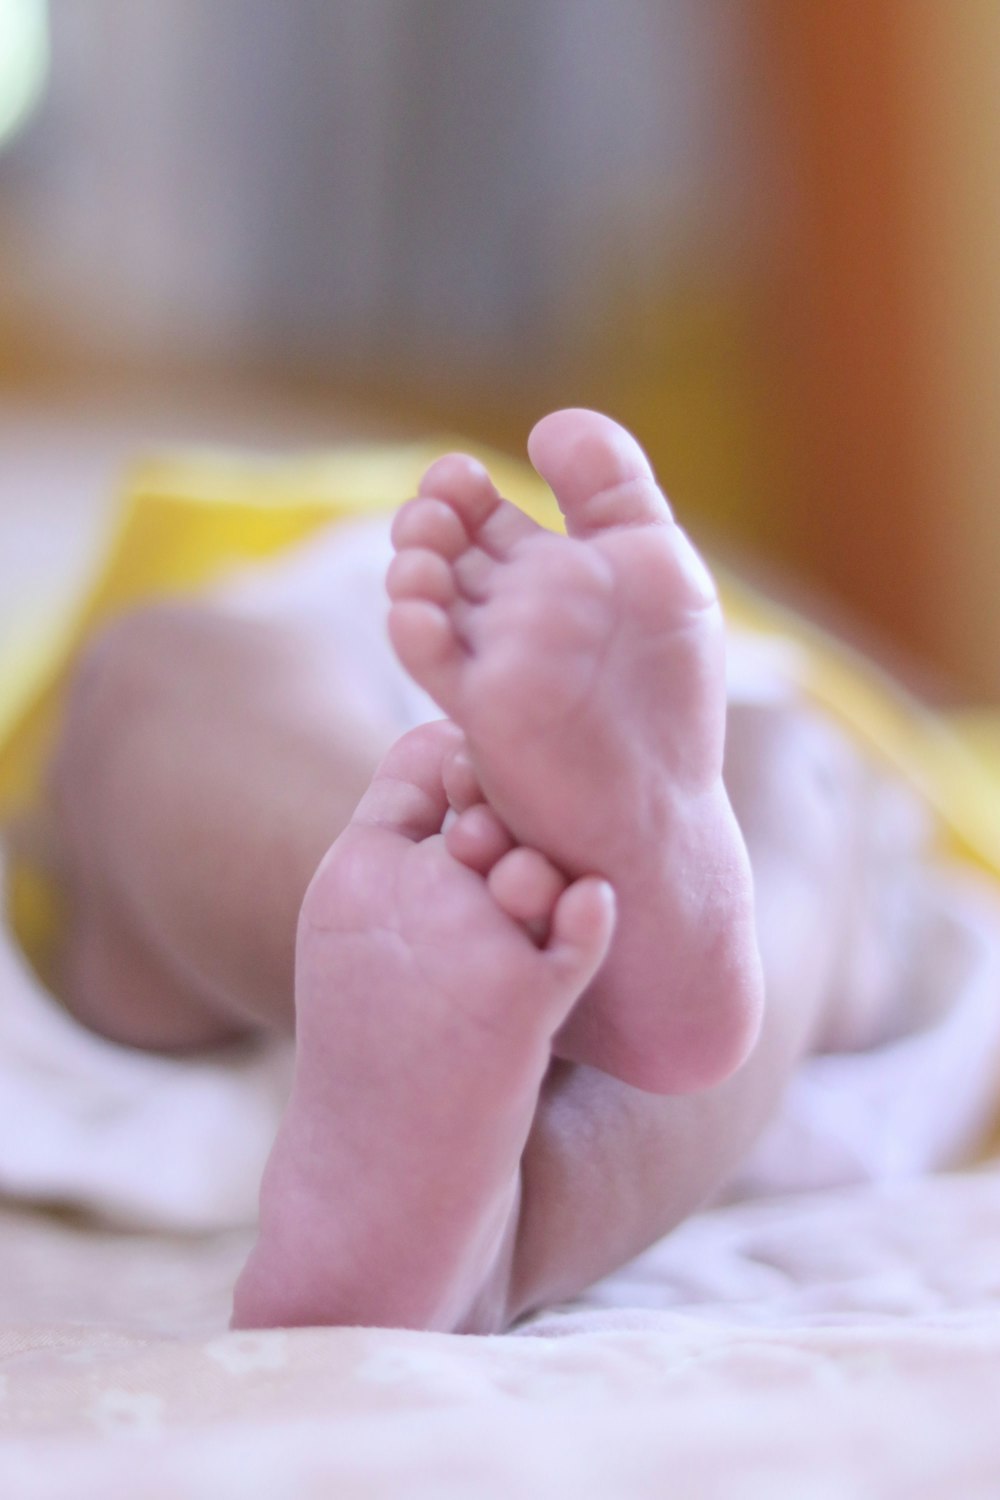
<point>846,1343</point>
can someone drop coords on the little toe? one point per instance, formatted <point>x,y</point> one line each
<point>407,795</point>
<point>418,573</point>
<point>526,886</point>
<point>477,838</point>
<point>597,471</point>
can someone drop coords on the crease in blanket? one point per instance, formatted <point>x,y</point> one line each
<point>80,1119</point>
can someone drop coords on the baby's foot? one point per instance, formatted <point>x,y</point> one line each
<point>432,970</point>
<point>588,676</point>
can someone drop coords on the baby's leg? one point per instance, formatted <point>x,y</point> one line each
<point>432,971</point>
<point>609,1169</point>
<point>207,762</point>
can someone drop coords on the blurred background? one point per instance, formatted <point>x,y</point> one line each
<point>763,233</point>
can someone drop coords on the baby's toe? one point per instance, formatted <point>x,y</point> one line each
<point>406,795</point>
<point>425,639</point>
<point>526,886</point>
<point>582,926</point>
<point>418,573</point>
<point>430,524</point>
<point>597,471</point>
<point>477,838</point>
<point>490,521</point>
<point>464,484</point>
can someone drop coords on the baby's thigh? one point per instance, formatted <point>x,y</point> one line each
<point>798,789</point>
<point>796,783</point>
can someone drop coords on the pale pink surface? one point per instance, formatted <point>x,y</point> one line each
<point>812,1346</point>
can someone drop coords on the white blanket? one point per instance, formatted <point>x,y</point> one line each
<point>807,1348</point>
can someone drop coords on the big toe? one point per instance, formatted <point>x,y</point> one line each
<point>597,471</point>
<point>407,794</point>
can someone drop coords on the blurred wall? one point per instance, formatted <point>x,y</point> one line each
<point>886,333</point>
<point>765,233</point>
<point>468,208</point>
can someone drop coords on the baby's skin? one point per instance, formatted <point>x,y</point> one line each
<point>553,872</point>
<point>587,674</point>
<point>435,963</point>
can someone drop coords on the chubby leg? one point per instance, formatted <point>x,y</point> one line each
<point>609,1169</point>
<point>208,760</point>
<point>433,969</point>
